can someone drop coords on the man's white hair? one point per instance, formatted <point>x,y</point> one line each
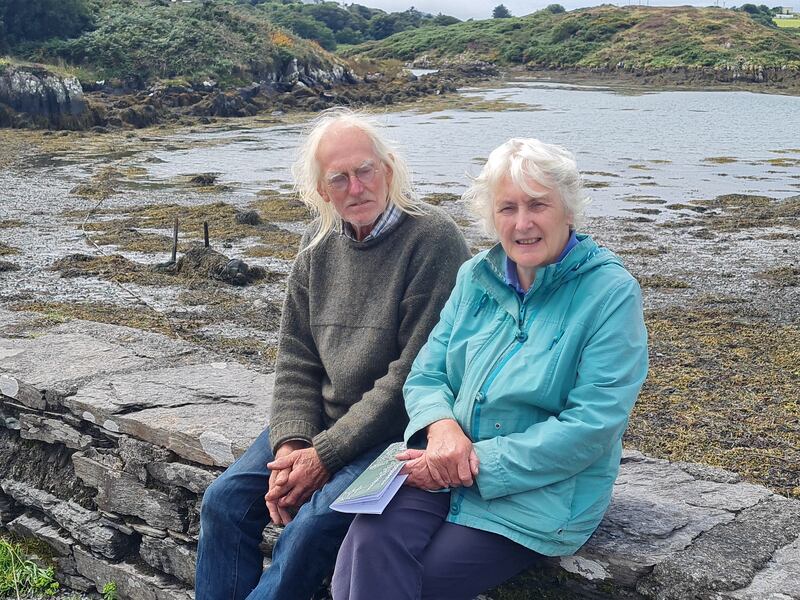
<point>308,175</point>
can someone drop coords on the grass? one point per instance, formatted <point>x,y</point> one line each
<point>788,23</point>
<point>20,576</point>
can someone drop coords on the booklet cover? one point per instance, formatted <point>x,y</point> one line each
<point>376,486</point>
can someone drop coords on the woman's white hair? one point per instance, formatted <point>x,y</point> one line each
<point>308,175</point>
<point>524,160</point>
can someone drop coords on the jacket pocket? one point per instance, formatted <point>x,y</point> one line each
<point>542,512</point>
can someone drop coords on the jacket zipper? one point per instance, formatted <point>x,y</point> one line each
<point>507,354</point>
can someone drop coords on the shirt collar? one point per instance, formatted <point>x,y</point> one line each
<point>383,224</point>
<point>511,276</point>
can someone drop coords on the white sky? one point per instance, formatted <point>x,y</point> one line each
<point>482,9</point>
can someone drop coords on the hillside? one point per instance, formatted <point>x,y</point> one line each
<point>142,42</point>
<point>633,37</point>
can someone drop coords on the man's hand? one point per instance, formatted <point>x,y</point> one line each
<point>306,474</point>
<point>277,482</point>
<point>449,454</point>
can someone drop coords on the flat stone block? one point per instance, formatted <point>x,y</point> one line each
<point>78,350</point>
<point>728,557</point>
<point>51,431</point>
<point>778,580</point>
<point>32,527</point>
<point>123,493</point>
<point>207,414</point>
<point>169,556</point>
<point>132,583</point>
<point>189,477</point>
<point>85,526</point>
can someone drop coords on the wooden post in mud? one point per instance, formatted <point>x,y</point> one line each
<point>205,233</point>
<point>175,241</point>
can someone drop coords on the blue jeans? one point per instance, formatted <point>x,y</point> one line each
<point>233,516</point>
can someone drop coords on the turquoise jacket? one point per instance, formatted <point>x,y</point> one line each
<point>543,386</point>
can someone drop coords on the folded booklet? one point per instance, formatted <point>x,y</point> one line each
<point>376,486</point>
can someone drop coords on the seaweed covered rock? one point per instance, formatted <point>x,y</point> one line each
<point>207,262</point>
<point>34,96</point>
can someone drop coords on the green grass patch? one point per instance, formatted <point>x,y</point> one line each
<point>788,23</point>
<point>20,576</point>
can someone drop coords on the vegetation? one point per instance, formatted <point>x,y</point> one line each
<point>138,43</point>
<point>634,37</point>
<point>20,576</point>
<point>35,20</point>
<point>788,23</point>
<point>331,23</point>
<point>760,14</point>
<point>501,12</point>
<point>110,591</point>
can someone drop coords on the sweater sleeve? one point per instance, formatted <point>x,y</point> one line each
<point>296,411</point>
<point>379,415</point>
<point>611,370</point>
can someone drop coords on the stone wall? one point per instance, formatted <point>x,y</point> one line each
<point>109,436</point>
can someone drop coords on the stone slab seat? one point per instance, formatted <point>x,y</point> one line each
<point>136,425</point>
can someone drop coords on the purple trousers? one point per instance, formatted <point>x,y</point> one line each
<point>410,552</point>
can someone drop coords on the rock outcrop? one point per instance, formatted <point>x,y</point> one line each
<point>109,437</point>
<point>35,96</point>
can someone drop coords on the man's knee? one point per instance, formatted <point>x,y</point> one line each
<point>212,507</point>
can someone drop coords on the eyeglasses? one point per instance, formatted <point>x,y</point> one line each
<point>341,181</point>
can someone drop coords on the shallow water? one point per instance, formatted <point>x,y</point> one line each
<point>672,146</point>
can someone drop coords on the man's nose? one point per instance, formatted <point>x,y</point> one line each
<point>354,186</point>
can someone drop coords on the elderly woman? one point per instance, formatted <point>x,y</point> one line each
<point>523,391</point>
<point>375,269</point>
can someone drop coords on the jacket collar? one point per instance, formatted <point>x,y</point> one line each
<point>489,272</point>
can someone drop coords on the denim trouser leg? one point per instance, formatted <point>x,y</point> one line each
<point>233,517</point>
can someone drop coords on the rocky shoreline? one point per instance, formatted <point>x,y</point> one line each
<point>35,98</point>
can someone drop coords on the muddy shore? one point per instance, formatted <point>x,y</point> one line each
<point>720,279</point>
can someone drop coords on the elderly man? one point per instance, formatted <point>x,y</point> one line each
<point>374,270</point>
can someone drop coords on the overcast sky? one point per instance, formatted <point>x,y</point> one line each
<point>482,9</point>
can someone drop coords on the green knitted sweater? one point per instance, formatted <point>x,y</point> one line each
<point>354,318</point>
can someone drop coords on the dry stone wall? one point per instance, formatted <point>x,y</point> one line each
<point>109,437</point>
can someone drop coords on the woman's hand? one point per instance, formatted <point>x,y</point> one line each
<point>449,459</point>
<point>419,475</point>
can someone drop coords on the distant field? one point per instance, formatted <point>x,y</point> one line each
<point>788,23</point>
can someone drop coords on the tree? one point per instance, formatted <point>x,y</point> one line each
<point>555,9</point>
<point>35,20</point>
<point>501,12</point>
